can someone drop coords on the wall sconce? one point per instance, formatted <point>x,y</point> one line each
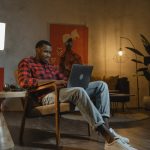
<point>2,35</point>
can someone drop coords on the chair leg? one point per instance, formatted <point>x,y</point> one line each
<point>57,128</point>
<point>89,130</point>
<point>26,100</point>
<point>57,118</point>
<point>23,102</point>
<point>22,130</point>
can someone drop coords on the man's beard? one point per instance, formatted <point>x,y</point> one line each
<point>46,60</point>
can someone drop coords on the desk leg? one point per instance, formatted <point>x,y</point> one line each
<point>1,100</point>
<point>6,141</point>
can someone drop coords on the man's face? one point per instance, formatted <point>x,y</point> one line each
<point>44,53</point>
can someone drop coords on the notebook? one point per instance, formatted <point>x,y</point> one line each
<point>80,76</point>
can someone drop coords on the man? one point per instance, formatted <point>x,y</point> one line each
<point>68,58</point>
<point>34,70</point>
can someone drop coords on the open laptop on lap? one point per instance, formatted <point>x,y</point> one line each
<point>80,76</point>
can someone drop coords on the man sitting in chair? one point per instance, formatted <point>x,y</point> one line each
<point>34,70</point>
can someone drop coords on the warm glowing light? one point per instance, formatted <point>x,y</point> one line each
<point>2,35</point>
<point>120,52</point>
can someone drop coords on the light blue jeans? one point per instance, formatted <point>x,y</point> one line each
<point>93,103</point>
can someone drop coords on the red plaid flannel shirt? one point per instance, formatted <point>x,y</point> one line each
<point>30,70</point>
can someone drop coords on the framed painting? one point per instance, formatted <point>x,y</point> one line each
<point>59,33</point>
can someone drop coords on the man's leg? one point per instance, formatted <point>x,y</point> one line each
<point>80,98</point>
<point>99,93</point>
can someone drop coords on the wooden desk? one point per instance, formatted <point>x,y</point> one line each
<point>6,141</point>
<point>10,94</point>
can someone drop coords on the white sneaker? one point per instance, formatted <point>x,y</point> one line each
<point>118,145</point>
<point>124,139</point>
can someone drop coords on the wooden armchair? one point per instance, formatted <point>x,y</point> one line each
<point>57,108</point>
<point>37,111</point>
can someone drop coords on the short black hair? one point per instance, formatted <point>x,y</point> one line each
<point>40,43</point>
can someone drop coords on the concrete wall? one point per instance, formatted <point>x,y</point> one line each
<point>107,20</point>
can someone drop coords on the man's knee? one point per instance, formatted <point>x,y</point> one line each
<point>78,95</point>
<point>103,85</point>
<point>79,91</point>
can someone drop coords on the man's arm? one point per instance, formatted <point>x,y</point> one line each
<point>24,75</point>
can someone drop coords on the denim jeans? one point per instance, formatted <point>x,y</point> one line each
<point>93,102</point>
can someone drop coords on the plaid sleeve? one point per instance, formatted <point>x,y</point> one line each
<point>60,76</point>
<point>24,75</point>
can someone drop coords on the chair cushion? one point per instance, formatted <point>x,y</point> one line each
<point>50,109</point>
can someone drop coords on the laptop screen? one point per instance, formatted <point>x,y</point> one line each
<point>80,76</point>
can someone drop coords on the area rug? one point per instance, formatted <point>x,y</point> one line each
<point>117,117</point>
<point>127,117</point>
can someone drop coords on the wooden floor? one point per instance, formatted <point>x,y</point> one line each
<point>39,135</point>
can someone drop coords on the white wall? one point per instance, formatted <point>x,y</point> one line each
<point>107,20</point>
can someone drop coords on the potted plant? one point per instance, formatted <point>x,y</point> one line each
<point>146,59</point>
<point>145,70</point>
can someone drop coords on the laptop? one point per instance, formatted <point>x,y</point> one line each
<point>80,76</point>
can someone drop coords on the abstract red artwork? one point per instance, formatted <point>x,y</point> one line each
<point>58,35</point>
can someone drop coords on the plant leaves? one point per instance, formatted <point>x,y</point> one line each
<point>147,75</point>
<point>135,51</point>
<point>137,61</point>
<point>144,39</point>
<point>142,69</point>
<point>146,43</point>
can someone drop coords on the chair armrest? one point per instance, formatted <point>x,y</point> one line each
<point>45,86</point>
<point>52,86</point>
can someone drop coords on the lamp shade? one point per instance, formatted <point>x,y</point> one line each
<point>2,35</point>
